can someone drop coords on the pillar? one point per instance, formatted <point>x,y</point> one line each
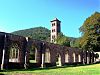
<point>25,64</point>
<point>84,57</point>
<point>5,56</point>
<point>43,60</point>
<point>88,57</point>
<point>43,55</point>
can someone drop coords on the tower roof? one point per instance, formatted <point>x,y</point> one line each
<point>55,19</point>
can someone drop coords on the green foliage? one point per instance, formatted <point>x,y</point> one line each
<point>91,33</point>
<point>39,33</point>
<point>62,40</point>
<point>75,42</point>
<point>96,55</point>
<point>32,53</point>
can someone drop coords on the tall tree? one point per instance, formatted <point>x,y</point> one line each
<point>90,39</point>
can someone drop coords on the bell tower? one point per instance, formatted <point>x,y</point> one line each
<point>55,29</point>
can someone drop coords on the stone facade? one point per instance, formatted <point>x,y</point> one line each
<point>46,54</point>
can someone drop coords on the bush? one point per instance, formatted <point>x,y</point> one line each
<point>96,55</point>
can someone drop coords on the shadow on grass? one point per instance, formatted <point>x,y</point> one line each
<point>45,68</point>
<point>2,74</point>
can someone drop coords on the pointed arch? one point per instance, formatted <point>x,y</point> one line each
<point>33,54</point>
<point>74,58</point>
<point>79,58</point>
<point>58,60</point>
<point>14,52</point>
<point>66,57</point>
<point>47,55</point>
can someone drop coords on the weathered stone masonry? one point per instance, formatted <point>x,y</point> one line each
<point>14,52</point>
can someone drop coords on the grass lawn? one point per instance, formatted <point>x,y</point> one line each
<point>32,61</point>
<point>78,70</point>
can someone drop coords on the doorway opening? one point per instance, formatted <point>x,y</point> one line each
<point>58,60</point>
<point>33,54</point>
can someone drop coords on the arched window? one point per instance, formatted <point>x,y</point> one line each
<point>79,58</point>
<point>47,56</point>
<point>66,56</point>
<point>14,51</point>
<point>74,57</point>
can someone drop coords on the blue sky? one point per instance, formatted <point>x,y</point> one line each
<point>23,14</point>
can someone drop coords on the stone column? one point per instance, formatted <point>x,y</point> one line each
<point>84,54</point>
<point>88,57</point>
<point>3,56</point>
<point>43,55</point>
<point>42,65</point>
<point>92,57</point>
<point>25,64</point>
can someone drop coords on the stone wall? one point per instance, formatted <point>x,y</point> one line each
<point>47,54</point>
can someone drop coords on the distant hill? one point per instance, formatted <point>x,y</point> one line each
<point>39,33</point>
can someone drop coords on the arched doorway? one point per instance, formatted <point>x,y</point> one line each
<point>58,60</point>
<point>33,54</point>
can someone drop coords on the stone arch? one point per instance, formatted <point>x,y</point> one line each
<point>74,57</point>
<point>58,60</point>
<point>14,52</point>
<point>33,54</point>
<point>79,58</point>
<point>47,55</point>
<point>66,57</point>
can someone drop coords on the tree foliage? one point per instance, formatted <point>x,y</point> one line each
<point>62,40</point>
<point>39,33</point>
<point>75,42</point>
<point>42,33</point>
<point>90,29</point>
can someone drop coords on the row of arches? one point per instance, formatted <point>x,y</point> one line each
<point>48,54</point>
<point>14,55</point>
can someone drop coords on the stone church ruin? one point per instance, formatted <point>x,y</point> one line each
<point>15,53</point>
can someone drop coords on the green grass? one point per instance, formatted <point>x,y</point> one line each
<point>32,61</point>
<point>78,70</point>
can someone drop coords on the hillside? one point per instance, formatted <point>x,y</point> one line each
<point>39,33</point>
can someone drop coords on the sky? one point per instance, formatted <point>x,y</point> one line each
<point>23,14</point>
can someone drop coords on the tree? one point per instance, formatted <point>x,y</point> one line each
<point>75,43</point>
<point>39,33</point>
<point>96,55</point>
<point>62,40</point>
<point>90,39</point>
